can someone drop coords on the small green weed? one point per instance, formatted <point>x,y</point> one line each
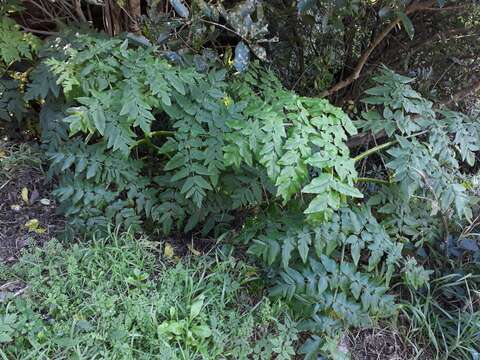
<point>111,299</point>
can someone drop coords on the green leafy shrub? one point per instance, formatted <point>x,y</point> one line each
<point>14,47</point>
<point>111,298</point>
<point>428,187</point>
<point>141,142</point>
<point>334,275</point>
<point>149,140</point>
<point>340,273</point>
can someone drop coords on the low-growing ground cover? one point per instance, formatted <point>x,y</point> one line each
<point>117,298</point>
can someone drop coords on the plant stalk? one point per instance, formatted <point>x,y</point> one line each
<point>384,146</point>
<point>374,150</point>
<point>373,180</point>
<point>146,140</point>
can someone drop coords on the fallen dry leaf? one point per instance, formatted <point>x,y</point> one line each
<point>24,195</point>
<point>168,251</point>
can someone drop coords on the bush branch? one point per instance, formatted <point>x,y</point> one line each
<point>414,7</point>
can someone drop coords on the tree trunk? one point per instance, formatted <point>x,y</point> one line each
<point>134,12</point>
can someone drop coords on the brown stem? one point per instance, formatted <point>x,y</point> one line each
<point>41,32</point>
<point>134,11</point>
<point>448,8</point>
<point>416,6</point>
<point>111,17</point>
<point>460,95</point>
<point>79,11</point>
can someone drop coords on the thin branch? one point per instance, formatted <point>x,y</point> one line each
<point>374,150</point>
<point>373,180</point>
<point>134,13</point>
<point>224,28</point>
<point>459,96</point>
<point>469,228</point>
<point>442,36</point>
<point>43,9</point>
<point>79,11</point>
<point>41,32</point>
<point>162,133</point>
<point>448,8</point>
<point>416,6</point>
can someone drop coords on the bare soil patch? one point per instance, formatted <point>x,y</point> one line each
<point>378,344</point>
<point>25,220</point>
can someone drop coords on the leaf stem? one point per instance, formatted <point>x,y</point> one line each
<point>146,140</point>
<point>162,133</point>
<point>373,180</point>
<point>384,146</point>
<point>374,150</point>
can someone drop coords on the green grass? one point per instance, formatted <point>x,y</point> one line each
<point>112,298</point>
<point>17,156</point>
<point>444,318</point>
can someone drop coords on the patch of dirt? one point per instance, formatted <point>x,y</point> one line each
<point>24,223</point>
<point>12,288</point>
<point>378,344</point>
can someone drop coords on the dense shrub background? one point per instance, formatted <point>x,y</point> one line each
<point>355,216</point>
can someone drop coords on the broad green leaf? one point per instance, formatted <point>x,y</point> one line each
<point>287,248</point>
<point>407,23</point>
<point>273,251</point>
<point>200,181</point>
<point>176,161</point>
<point>92,170</point>
<point>322,284</point>
<point>318,185</point>
<point>311,348</point>
<point>99,120</point>
<point>346,189</point>
<point>330,264</point>
<point>202,331</point>
<point>187,186</point>
<point>355,249</point>
<point>196,307</point>
<point>318,204</point>
<point>304,242</point>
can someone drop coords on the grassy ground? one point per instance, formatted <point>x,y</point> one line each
<point>119,296</point>
<point>112,298</point>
